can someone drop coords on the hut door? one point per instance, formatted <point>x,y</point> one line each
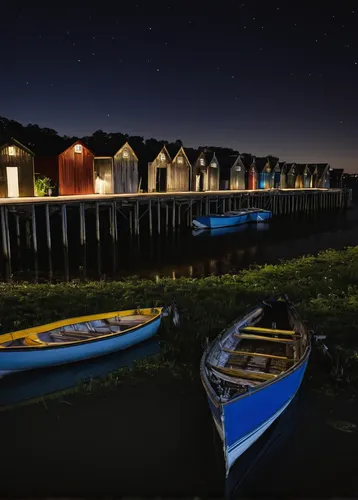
<point>161,183</point>
<point>12,175</point>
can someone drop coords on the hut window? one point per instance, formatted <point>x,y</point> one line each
<point>11,151</point>
<point>213,165</point>
<point>78,148</point>
<point>180,159</point>
<point>125,153</point>
<point>202,162</point>
<point>238,169</point>
<point>162,157</point>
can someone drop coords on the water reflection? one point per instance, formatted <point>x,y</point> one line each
<point>23,386</point>
<point>183,252</point>
<point>237,484</point>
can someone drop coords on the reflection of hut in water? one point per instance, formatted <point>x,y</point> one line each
<point>16,170</point>
<point>158,165</point>
<point>205,170</point>
<point>116,170</point>
<point>303,176</point>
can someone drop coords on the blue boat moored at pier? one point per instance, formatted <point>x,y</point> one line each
<point>233,218</point>
<point>252,371</point>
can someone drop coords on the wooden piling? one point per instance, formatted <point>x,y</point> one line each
<point>158,215</point>
<point>48,227</point>
<point>150,216</point>
<point>82,224</point>
<point>18,235</point>
<point>166,216</point>
<point>137,217</point>
<point>64,227</point>
<point>98,227</point>
<point>173,215</point>
<point>5,234</point>
<point>34,230</point>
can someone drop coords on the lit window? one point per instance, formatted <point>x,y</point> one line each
<point>213,165</point>
<point>180,159</point>
<point>202,162</point>
<point>125,153</point>
<point>78,148</point>
<point>11,151</point>
<point>238,169</point>
<point>162,157</point>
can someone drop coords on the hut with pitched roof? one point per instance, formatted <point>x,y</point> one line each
<point>205,170</point>
<point>16,169</point>
<point>303,176</point>
<point>179,170</point>
<point>116,170</point>
<point>238,173</point>
<point>158,166</point>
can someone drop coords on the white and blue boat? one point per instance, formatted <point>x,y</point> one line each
<point>232,218</point>
<point>252,371</point>
<point>77,339</point>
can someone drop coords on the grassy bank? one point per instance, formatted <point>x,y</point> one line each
<point>325,289</point>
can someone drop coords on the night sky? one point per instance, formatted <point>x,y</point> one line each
<point>261,77</point>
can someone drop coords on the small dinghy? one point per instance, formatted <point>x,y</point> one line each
<point>252,371</point>
<point>76,339</point>
<point>233,218</point>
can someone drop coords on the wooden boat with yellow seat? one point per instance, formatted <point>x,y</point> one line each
<point>76,339</point>
<point>252,371</point>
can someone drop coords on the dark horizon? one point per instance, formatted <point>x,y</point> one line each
<point>264,79</point>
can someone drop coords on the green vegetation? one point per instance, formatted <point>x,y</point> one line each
<point>42,186</point>
<point>325,289</point>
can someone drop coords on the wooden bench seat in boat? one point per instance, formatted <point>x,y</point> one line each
<point>269,331</point>
<point>256,354</point>
<point>244,374</point>
<point>261,337</point>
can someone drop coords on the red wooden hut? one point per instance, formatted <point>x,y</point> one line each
<point>72,170</point>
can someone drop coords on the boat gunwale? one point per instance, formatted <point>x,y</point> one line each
<point>207,385</point>
<point>60,345</point>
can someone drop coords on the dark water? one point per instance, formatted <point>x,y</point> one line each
<point>25,386</point>
<point>182,252</point>
<point>306,453</point>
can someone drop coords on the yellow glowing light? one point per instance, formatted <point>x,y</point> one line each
<point>11,151</point>
<point>78,148</point>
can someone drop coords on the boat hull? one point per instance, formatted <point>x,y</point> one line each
<point>47,356</point>
<point>245,419</point>
<point>220,221</point>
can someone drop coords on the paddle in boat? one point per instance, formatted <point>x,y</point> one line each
<point>76,339</point>
<point>232,218</point>
<point>252,371</point>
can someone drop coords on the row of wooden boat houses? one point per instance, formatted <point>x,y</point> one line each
<point>78,170</point>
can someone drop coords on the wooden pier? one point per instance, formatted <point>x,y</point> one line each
<point>153,212</point>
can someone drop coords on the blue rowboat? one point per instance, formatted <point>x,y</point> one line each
<point>76,339</point>
<point>252,371</point>
<point>233,218</point>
